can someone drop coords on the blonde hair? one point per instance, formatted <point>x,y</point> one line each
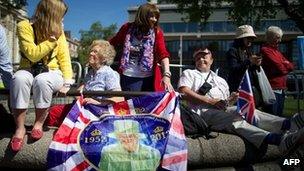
<point>107,51</point>
<point>48,18</point>
<point>143,15</point>
<point>273,31</point>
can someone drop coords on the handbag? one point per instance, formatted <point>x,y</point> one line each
<point>206,87</point>
<point>38,68</point>
<point>194,125</point>
<point>266,90</point>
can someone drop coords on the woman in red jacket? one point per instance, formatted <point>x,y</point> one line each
<point>143,48</point>
<point>276,68</point>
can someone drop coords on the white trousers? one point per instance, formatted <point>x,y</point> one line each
<point>43,86</point>
<point>232,122</point>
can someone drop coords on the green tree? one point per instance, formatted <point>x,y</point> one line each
<point>14,4</point>
<point>242,11</point>
<point>96,31</point>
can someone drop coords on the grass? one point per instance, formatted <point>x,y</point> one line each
<point>291,106</point>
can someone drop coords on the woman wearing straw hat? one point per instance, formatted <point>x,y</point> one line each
<point>240,58</point>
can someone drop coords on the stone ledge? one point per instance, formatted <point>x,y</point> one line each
<point>223,151</point>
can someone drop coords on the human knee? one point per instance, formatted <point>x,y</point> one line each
<point>21,79</point>
<point>41,82</point>
<point>239,124</point>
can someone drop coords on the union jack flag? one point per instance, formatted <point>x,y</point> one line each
<point>245,102</point>
<point>65,152</point>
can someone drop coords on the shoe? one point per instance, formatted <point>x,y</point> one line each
<point>296,122</point>
<point>291,140</point>
<point>36,134</point>
<point>16,144</point>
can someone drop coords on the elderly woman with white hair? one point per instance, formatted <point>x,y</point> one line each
<point>101,77</point>
<point>276,68</point>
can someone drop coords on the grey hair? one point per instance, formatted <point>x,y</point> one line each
<point>107,51</point>
<point>273,31</point>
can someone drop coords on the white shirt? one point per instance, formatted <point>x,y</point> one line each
<point>194,79</point>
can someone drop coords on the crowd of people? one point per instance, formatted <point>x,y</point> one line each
<point>45,68</point>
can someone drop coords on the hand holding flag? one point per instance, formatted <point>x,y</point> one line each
<point>245,102</point>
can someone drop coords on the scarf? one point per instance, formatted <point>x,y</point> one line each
<point>147,56</point>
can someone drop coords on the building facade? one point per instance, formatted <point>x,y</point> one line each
<point>9,19</point>
<point>73,44</point>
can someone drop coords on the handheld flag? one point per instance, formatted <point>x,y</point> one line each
<point>245,102</point>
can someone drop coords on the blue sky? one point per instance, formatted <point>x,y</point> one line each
<point>82,13</point>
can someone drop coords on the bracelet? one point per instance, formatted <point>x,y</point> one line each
<point>67,85</point>
<point>167,74</point>
<point>53,38</point>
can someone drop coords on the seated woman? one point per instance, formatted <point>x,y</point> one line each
<point>45,67</point>
<point>101,77</point>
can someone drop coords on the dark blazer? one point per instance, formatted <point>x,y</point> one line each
<point>238,62</point>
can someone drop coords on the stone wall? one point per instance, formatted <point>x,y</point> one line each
<point>9,19</point>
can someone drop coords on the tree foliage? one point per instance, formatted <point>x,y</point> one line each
<point>14,4</point>
<point>96,31</point>
<point>242,11</point>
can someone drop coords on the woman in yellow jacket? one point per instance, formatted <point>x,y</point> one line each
<point>45,67</point>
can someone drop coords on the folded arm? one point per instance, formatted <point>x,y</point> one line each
<point>34,52</point>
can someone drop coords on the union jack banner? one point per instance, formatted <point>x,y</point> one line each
<point>94,137</point>
<point>245,102</point>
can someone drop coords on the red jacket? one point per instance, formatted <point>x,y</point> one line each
<point>160,51</point>
<point>276,66</point>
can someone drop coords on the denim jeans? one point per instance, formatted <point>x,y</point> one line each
<point>136,84</point>
<point>278,107</point>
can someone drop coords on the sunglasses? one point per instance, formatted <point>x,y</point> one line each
<point>204,53</point>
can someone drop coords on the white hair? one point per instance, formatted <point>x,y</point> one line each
<point>107,51</point>
<point>273,31</point>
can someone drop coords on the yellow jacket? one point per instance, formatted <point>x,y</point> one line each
<point>60,56</point>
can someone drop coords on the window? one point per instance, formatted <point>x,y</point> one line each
<point>206,27</point>
<point>167,27</point>
<point>217,26</point>
<point>179,27</point>
<point>192,27</point>
<point>230,27</point>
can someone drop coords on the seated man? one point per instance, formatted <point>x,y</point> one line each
<point>210,103</point>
